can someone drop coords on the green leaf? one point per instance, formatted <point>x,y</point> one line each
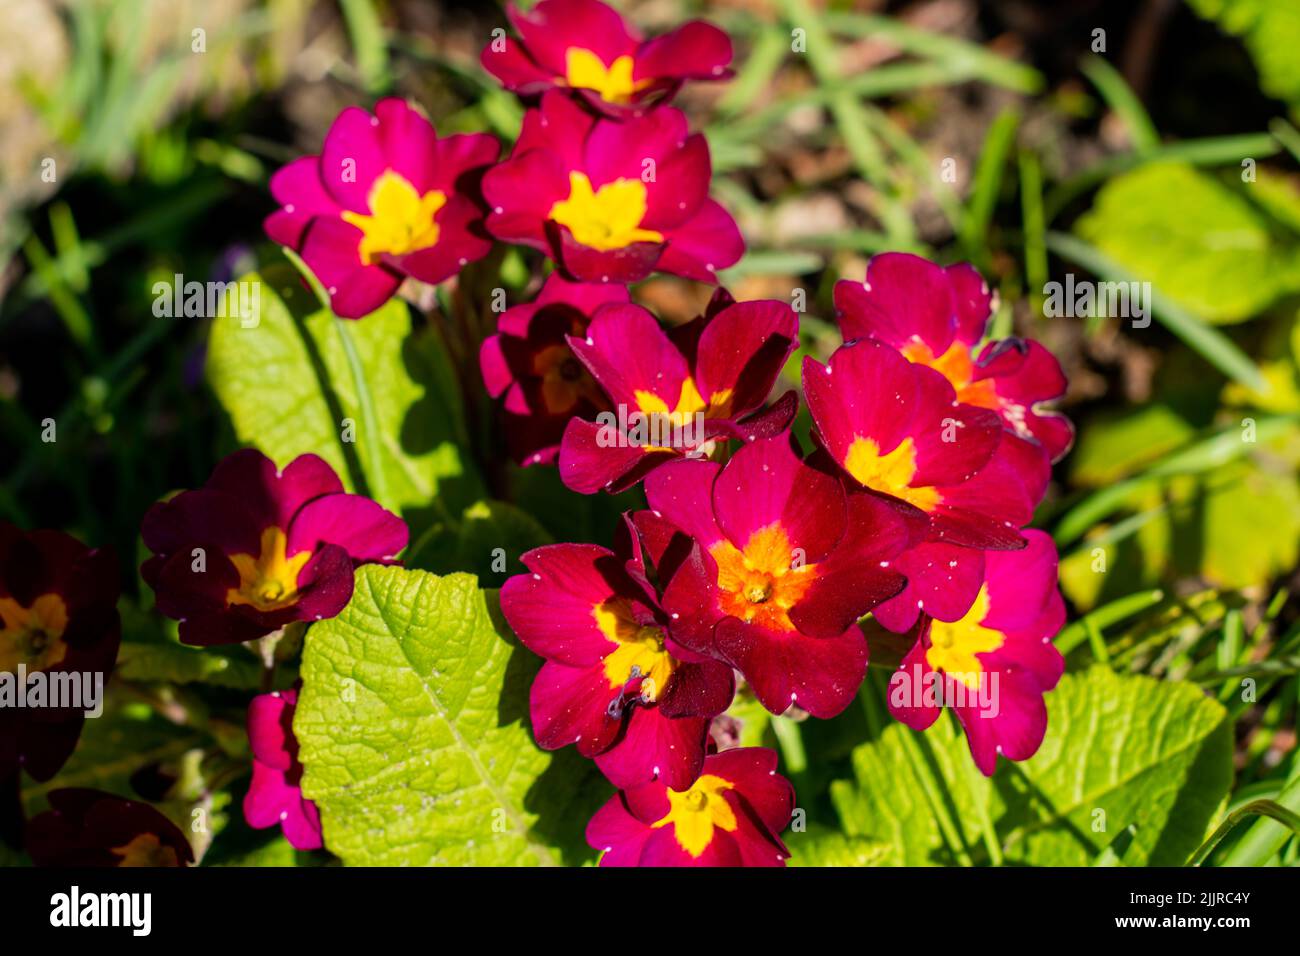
<point>413,728</point>
<point>487,541</point>
<point>1271,32</point>
<point>1116,444</point>
<point>1236,526</point>
<point>822,846</point>
<point>1196,240</point>
<point>1120,751</point>
<point>290,389</point>
<point>179,664</point>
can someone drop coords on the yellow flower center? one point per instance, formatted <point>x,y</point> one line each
<point>584,70</point>
<point>401,221</point>
<point>689,402</point>
<point>640,650</point>
<point>146,850</point>
<point>268,581</point>
<point>764,581</point>
<point>607,218</point>
<point>953,646</point>
<point>32,636</point>
<point>891,474</point>
<point>695,812</point>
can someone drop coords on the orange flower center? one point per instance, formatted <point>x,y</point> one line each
<point>958,367</point>
<point>146,850</point>
<point>32,636</point>
<point>763,581</point>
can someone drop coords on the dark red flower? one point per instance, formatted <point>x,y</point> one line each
<point>91,828</point>
<point>937,317</point>
<point>675,394</point>
<point>783,564</point>
<point>898,430</point>
<point>609,201</point>
<point>529,364</point>
<point>586,47</point>
<point>258,548</point>
<point>58,615</point>
<point>385,199</point>
<point>994,664</point>
<point>732,815</point>
<point>615,683</point>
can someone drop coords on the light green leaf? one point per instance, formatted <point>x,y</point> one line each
<point>1114,446</point>
<point>290,389</point>
<point>1200,243</point>
<point>1235,527</point>
<point>413,727</point>
<point>1120,751</point>
<point>821,846</point>
<point>1270,30</point>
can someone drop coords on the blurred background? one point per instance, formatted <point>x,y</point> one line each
<point>1146,140</point>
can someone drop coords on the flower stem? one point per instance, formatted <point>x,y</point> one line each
<point>376,481</point>
<point>933,790</point>
<point>975,783</point>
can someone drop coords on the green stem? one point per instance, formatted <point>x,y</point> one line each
<point>790,739</point>
<point>978,788</point>
<point>933,790</point>
<point>1288,823</point>
<point>1266,837</point>
<point>376,480</point>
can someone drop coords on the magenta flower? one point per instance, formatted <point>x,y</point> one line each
<point>944,578</point>
<point>609,201</point>
<point>258,548</point>
<point>385,199</point>
<point>586,47</point>
<point>275,795</point>
<point>937,317</point>
<point>58,615</point>
<point>615,682</point>
<point>783,563</point>
<point>897,429</point>
<point>85,828</point>
<point>529,364</point>
<point>995,663</point>
<point>732,815</point>
<point>676,394</point>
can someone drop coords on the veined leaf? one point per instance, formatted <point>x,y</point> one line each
<point>820,846</point>
<point>1120,751</point>
<point>290,388</point>
<point>413,729</point>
